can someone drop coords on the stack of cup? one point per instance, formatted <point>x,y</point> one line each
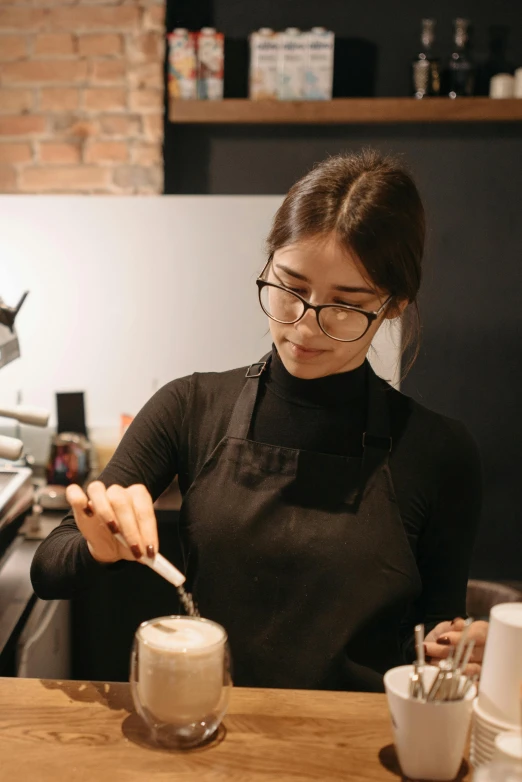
<point>497,708</point>
<point>498,771</point>
<point>508,748</point>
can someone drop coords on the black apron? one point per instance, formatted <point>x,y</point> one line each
<point>301,556</point>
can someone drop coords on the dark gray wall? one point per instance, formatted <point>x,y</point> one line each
<point>470,366</point>
<point>470,177</point>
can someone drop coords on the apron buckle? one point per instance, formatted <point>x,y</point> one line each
<point>256,372</point>
<point>372,441</point>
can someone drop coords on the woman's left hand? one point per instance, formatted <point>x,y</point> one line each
<point>446,636</point>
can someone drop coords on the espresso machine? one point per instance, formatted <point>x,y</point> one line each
<point>16,490</point>
<point>34,635</point>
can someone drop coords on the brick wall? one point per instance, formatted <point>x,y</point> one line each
<point>81,96</point>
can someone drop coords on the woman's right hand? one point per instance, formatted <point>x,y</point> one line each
<point>102,512</point>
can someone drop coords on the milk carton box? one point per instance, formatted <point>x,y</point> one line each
<point>211,64</point>
<point>293,49</point>
<point>318,75</point>
<point>264,53</point>
<point>182,83</point>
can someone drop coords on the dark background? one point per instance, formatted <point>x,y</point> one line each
<point>470,177</point>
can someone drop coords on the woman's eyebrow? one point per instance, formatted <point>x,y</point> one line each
<point>343,288</point>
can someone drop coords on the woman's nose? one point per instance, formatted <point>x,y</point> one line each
<point>308,324</point>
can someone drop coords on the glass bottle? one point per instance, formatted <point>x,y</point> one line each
<point>497,61</point>
<point>426,66</point>
<point>460,71</point>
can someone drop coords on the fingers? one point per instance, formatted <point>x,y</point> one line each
<point>472,669</point>
<point>122,518</point>
<point>445,644</point>
<point>76,497</point>
<point>99,502</point>
<point>103,512</point>
<point>479,632</point>
<point>101,543</point>
<point>435,652</point>
<point>145,517</point>
<point>441,629</point>
<point>101,508</point>
<point>458,624</point>
<point>130,512</point>
<point>478,635</point>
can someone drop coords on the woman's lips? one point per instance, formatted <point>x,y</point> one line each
<point>299,351</point>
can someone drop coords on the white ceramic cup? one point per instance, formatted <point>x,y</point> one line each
<point>499,692</point>
<point>502,86</point>
<point>508,747</point>
<point>429,737</point>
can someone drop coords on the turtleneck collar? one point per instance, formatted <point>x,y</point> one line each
<point>331,391</point>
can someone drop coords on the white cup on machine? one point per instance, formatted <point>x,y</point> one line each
<point>499,695</point>
<point>429,737</point>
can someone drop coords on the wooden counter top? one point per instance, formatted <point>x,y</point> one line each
<point>87,731</point>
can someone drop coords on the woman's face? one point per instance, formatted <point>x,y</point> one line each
<point>322,272</point>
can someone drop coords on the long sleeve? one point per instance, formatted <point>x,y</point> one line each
<point>446,544</point>
<point>147,454</point>
<point>445,549</point>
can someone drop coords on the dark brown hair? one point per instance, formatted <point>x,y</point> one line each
<point>371,204</point>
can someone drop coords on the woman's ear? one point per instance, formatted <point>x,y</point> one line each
<point>396,309</point>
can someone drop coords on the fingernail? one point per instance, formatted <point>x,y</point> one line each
<point>457,619</point>
<point>444,641</point>
<point>88,511</point>
<point>136,551</point>
<point>113,527</point>
<point>150,552</point>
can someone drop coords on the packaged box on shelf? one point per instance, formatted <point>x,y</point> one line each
<point>182,70</point>
<point>293,47</point>
<point>211,64</point>
<point>318,75</point>
<point>264,53</point>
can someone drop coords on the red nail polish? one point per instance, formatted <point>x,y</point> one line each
<point>88,511</point>
<point>113,527</point>
<point>136,551</point>
<point>150,552</point>
<point>444,641</point>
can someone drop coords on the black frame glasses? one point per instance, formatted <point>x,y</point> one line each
<point>317,308</point>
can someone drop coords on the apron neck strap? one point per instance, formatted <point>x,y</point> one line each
<point>378,431</point>
<point>239,424</point>
<point>377,441</point>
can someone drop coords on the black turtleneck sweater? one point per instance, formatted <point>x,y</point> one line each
<point>434,465</point>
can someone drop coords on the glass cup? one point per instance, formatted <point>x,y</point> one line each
<point>180,678</point>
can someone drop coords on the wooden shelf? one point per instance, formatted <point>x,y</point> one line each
<point>346,111</point>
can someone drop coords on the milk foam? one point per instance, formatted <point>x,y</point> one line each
<point>180,634</point>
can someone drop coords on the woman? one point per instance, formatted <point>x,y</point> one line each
<point>324,514</point>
